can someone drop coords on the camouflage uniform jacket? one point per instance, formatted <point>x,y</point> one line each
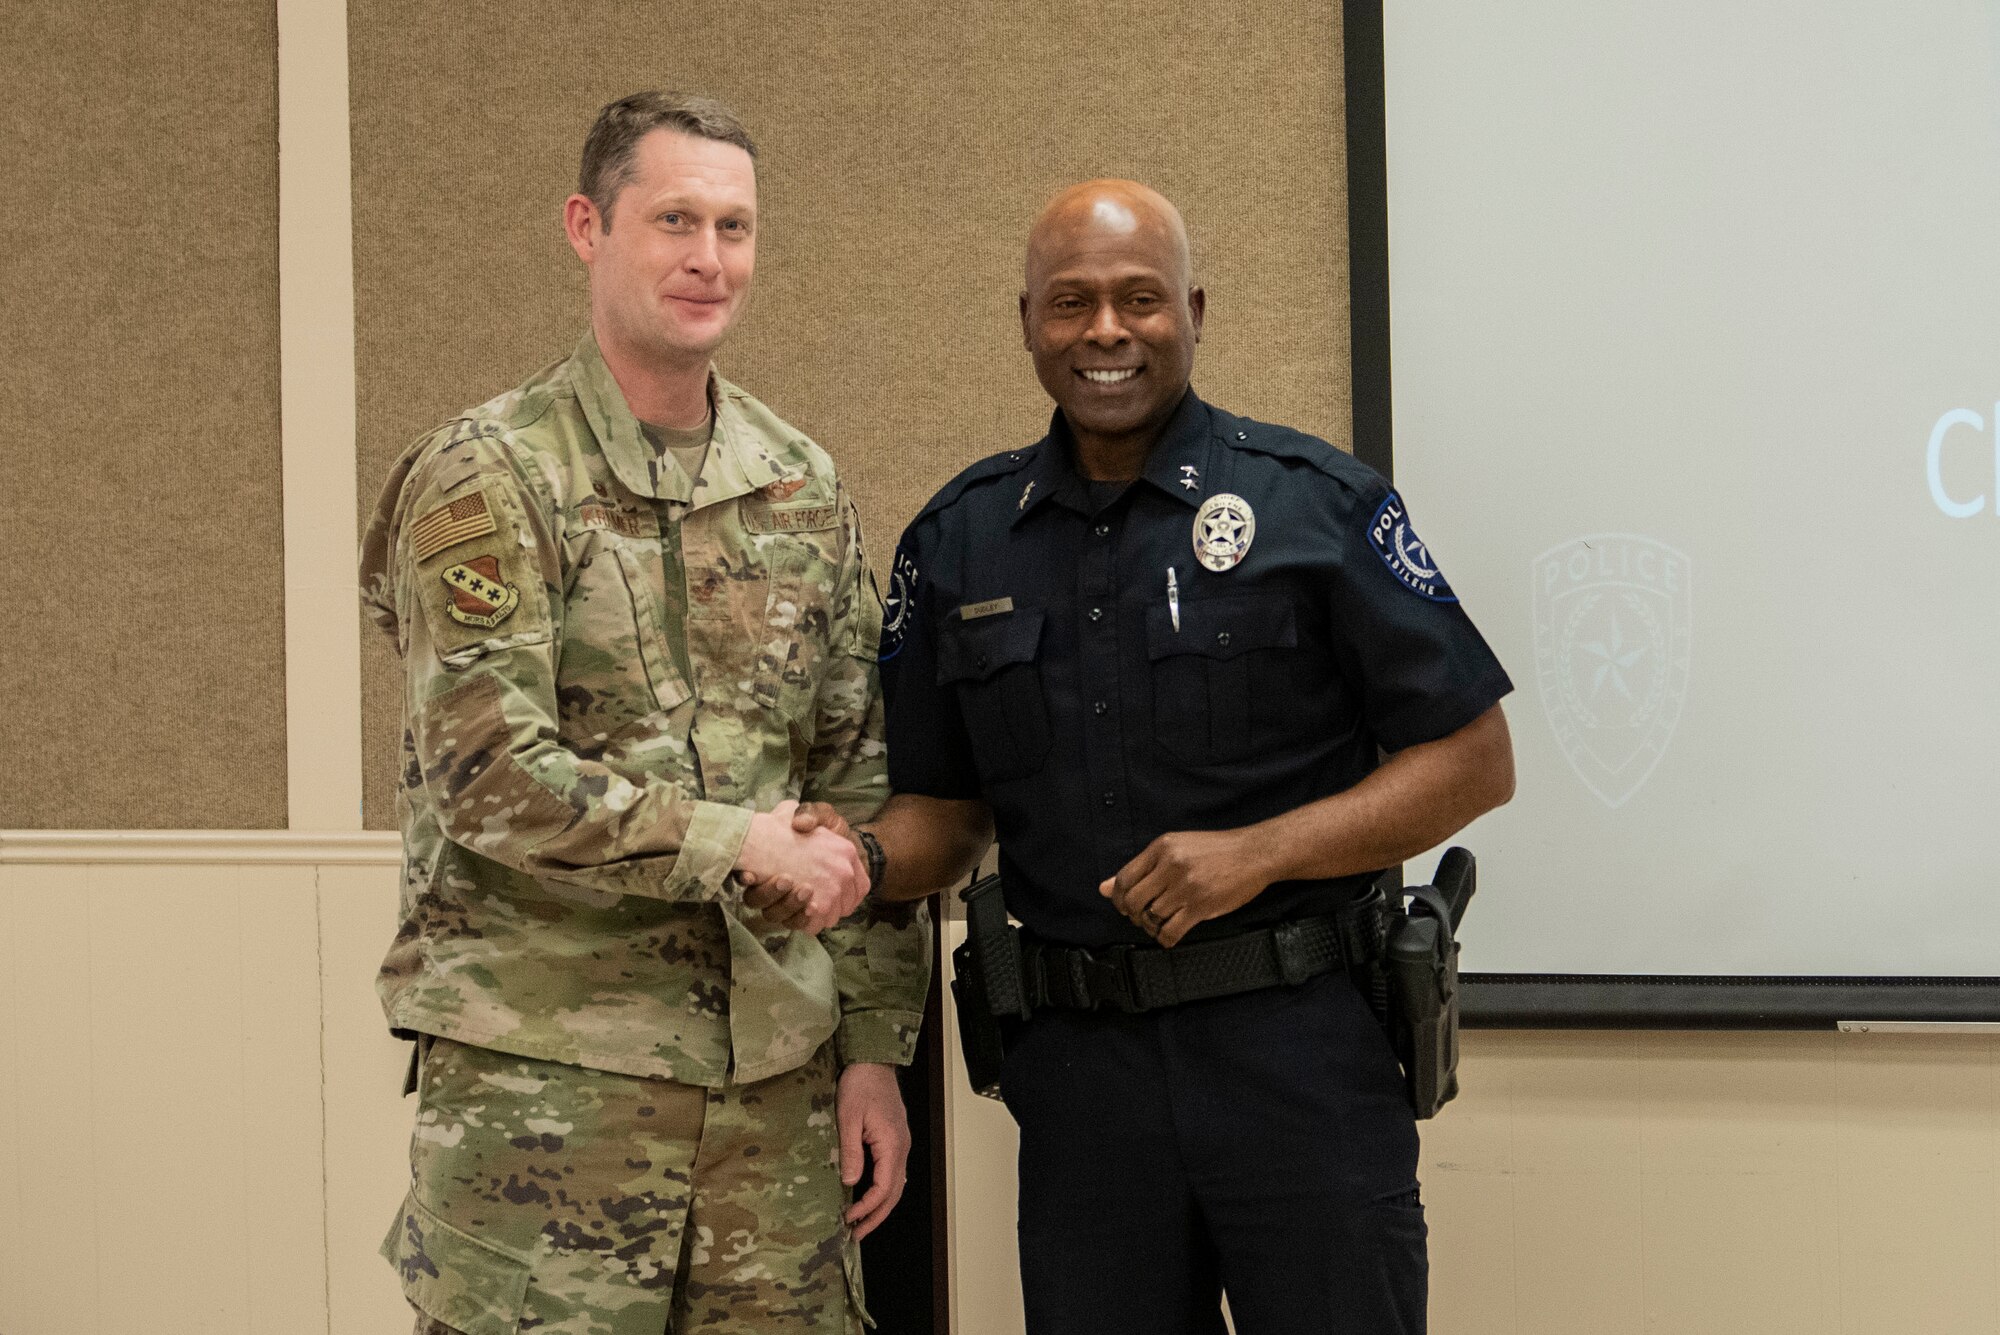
<point>608,667</point>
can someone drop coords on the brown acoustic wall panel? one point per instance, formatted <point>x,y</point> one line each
<point>903,151</point>
<point>140,485</point>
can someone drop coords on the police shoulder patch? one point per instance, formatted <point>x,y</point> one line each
<point>899,604</point>
<point>1408,559</point>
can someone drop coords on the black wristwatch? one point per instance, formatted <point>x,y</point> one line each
<point>871,852</point>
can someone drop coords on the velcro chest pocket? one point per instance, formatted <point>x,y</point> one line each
<point>1210,672</point>
<point>991,662</point>
<point>800,542</point>
<point>616,666</point>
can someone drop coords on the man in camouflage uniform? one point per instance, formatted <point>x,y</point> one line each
<point>638,628</point>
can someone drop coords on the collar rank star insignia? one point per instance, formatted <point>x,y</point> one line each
<point>1223,528</point>
<point>1190,478</point>
<point>479,597</point>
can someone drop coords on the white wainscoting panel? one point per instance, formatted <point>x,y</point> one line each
<point>197,1094</point>
<point>367,1118</point>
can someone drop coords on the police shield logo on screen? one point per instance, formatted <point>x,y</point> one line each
<point>1612,628</point>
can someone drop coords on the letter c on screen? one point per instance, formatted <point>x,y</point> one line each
<point>1934,462</point>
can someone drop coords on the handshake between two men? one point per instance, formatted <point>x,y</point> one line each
<point>802,867</point>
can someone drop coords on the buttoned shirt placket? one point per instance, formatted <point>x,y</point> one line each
<point>1113,552</point>
<point>1103,701</point>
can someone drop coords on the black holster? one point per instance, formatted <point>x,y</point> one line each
<point>988,985</point>
<point>1418,972</point>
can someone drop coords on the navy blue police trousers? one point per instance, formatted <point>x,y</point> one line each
<point>1259,1145</point>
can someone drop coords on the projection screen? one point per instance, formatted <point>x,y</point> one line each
<point>1696,386</point>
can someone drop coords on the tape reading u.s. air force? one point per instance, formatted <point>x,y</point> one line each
<point>797,520</point>
<point>899,604</point>
<point>1390,534</point>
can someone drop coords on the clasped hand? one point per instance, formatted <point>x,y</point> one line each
<point>801,869</point>
<point>1185,878</point>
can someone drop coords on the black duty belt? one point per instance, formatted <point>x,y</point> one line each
<point>1145,978</point>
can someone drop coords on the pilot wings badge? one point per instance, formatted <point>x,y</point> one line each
<point>1612,630</point>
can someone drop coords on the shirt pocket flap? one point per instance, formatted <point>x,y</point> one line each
<point>1222,627</point>
<point>976,650</point>
<point>450,1276</point>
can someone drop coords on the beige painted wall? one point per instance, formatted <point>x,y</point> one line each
<point>1718,1184</point>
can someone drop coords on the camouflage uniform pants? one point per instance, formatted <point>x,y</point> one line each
<point>567,1201</point>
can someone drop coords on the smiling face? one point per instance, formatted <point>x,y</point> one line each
<point>670,264</point>
<point>1109,313</point>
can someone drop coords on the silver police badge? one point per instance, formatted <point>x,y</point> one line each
<point>1223,528</point>
<point>1612,627</point>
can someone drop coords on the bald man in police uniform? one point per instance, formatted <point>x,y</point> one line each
<point>1164,651</point>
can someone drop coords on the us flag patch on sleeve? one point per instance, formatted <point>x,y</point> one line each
<point>452,522</point>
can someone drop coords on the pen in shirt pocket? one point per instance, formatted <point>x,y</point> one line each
<point>1174,600</point>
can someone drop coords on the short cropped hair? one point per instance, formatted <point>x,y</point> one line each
<point>608,149</point>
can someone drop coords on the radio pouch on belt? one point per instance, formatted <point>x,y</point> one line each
<point>987,984</point>
<point>1421,961</point>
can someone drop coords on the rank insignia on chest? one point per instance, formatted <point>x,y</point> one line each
<point>479,597</point>
<point>1223,530</point>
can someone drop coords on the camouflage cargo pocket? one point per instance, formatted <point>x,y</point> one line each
<point>471,1285</point>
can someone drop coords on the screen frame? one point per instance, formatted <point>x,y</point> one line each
<point>1576,1001</point>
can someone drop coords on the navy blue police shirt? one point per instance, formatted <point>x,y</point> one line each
<point>1033,657</point>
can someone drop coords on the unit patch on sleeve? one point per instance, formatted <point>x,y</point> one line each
<point>899,605</point>
<point>1390,534</point>
<point>453,522</point>
<point>478,595</point>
